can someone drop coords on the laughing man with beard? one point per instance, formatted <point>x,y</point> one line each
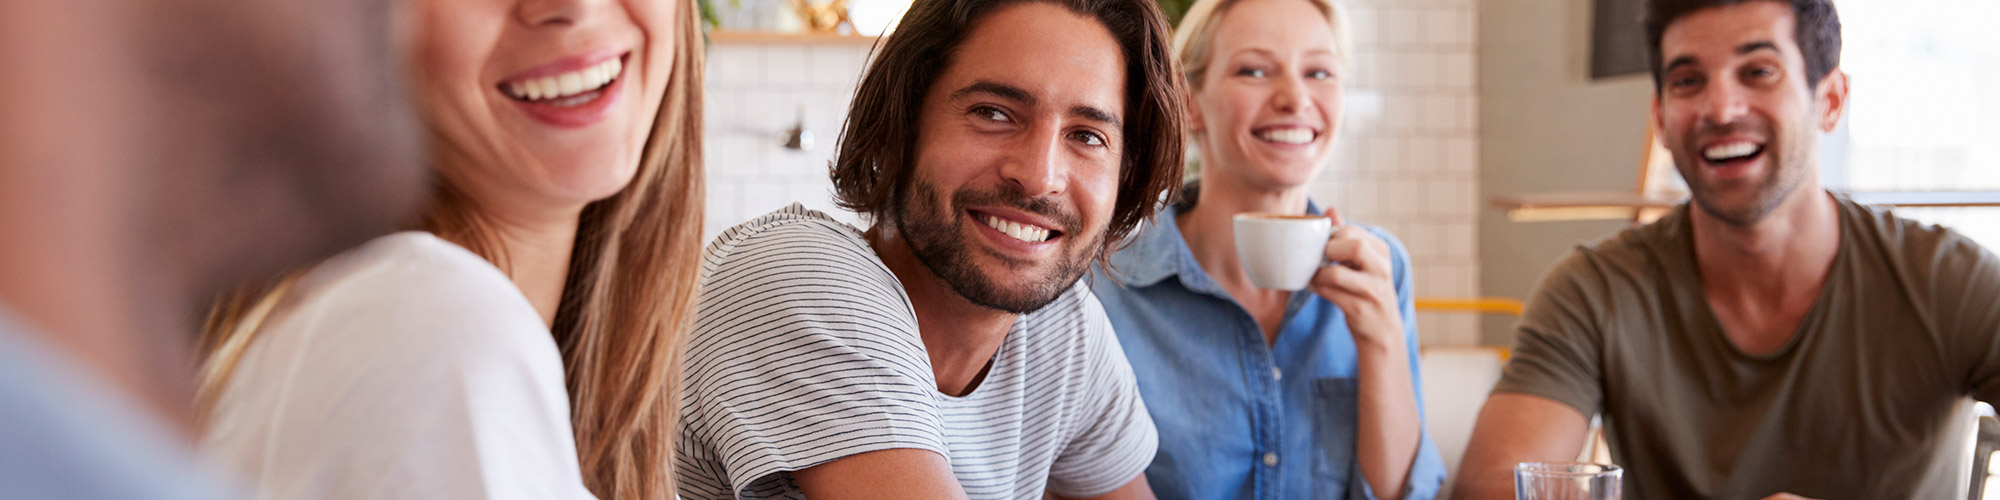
<point>1769,338</point>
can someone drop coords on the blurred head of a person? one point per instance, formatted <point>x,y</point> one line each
<point>1010,144</point>
<point>1744,89</point>
<point>1266,79</point>
<point>154,153</point>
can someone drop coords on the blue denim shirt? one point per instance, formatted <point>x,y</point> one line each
<point>1238,419</point>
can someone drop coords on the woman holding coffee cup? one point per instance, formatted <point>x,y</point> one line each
<point>1274,345</point>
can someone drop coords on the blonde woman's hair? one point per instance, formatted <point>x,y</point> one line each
<point>626,306</point>
<point>1194,39</point>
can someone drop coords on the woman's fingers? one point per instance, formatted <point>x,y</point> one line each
<point>1355,247</point>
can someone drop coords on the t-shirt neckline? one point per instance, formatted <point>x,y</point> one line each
<point>1807,323</point>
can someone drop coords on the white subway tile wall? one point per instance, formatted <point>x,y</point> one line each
<point>756,93</point>
<point>1407,157</point>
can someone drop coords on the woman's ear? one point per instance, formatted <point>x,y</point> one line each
<point>1196,125</point>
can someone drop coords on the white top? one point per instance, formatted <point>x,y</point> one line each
<point>408,368</point>
<point>806,350</point>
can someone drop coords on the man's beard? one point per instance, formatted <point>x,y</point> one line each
<point>1786,159</point>
<point>933,233</point>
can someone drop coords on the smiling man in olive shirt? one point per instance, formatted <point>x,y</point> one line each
<point>1768,338</point>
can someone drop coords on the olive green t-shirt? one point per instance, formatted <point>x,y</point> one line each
<point>1861,403</point>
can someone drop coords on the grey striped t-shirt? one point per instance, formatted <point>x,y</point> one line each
<point>806,350</point>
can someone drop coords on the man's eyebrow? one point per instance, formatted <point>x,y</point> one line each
<point>1747,48</point>
<point>1017,94</point>
<point>1001,90</point>
<point>1098,115</point>
<point>1744,49</point>
<point>1678,62</point>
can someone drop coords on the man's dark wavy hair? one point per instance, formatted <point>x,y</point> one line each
<point>1817,31</point>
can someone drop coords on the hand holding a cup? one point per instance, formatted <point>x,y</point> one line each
<point>1346,265</point>
<point>1360,278</point>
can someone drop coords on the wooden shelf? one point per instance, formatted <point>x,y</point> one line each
<point>1627,205</point>
<point>778,37</point>
<point>1607,205</point>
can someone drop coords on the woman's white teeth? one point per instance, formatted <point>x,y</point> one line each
<point>1019,231</point>
<point>566,84</point>
<point>1730,151</point>
<point>1287,135</point>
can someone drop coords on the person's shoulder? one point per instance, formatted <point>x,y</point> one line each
<point>414,292</point>
<point>798,280</point>
<point>1643,241</point>
<point>790,228</point>
<point>1905,233</point>
<point>1633,254</point>
<point>793,245</point>
<point>793,253</point>
<point>1935,250</point>
<point>410,263</point>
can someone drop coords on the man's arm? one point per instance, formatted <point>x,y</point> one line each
<point>1135,490</point>
<point>900,473</point>
<point>1515,428</point>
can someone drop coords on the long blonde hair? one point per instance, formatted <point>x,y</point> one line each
<point>625,309</point>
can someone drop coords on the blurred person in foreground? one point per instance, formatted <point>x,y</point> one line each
<point>1267,393</point>
<point>1768,338</point>
<point>153,154</point>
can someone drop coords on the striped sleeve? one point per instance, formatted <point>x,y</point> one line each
<point>1115,439</point>
<point>805,350</point>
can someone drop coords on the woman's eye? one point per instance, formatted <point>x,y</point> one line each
<point>1250,72</point>
<point>991,113</point>
<point>1319,74</point>
<point>1088,138</point>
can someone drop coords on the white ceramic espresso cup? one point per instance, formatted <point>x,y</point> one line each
<point>1281,251</point>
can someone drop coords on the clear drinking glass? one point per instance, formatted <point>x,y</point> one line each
<point>1567,481</point>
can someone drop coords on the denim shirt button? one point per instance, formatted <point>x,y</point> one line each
<point>1270,459</point>
<point>1277,374</point>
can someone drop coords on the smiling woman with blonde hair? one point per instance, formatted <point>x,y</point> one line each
<point>1262,393</point>
<point>527,341</point>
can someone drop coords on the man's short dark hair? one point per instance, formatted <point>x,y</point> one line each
<point>1816,29</point>
<point>871,173</point>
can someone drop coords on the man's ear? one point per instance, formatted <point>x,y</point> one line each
<point>1830,99</point>
<point>1659,120</point>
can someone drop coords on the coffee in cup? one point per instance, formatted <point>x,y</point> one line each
<point>1281,251</point>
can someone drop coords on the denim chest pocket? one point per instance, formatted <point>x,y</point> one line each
<point>1335,421</point>
<point>1334,409</point>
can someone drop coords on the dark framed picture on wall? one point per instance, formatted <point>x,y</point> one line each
<point>1617,38</point>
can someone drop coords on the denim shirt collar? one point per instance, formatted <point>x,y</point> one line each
<point>1160,252</point>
